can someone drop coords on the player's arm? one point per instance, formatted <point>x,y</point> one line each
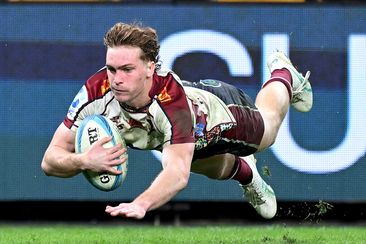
<point>60,159</point>
<point>172,179</point>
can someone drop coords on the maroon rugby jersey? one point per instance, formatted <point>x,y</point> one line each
<point>176,114</point>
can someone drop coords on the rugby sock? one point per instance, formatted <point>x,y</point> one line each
<point>241,171</point>
<point>283,76</point>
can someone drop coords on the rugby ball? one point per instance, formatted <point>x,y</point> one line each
<point>92,129</point>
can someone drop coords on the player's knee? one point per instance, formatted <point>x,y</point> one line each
<point>272,141</point>
<point>269,138</point>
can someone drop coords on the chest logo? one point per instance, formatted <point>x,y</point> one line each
<point>135,124</point>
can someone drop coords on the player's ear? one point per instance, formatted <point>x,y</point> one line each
<point>150,65</point>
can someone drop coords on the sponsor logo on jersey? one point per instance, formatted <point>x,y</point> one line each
<point>117,121</point>
<point>198,130</point>
<point>135,124</point>
<point>80,99</point>
<point>164,96</point>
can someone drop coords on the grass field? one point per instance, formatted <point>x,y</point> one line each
<point>169,234</point>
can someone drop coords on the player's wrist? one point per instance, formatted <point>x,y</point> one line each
<point>143,203</point>
<point>79,161</point>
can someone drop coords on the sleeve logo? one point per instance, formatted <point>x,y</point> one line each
<point>164,96</point>
<point>80,99</point>
<point>104,87</point>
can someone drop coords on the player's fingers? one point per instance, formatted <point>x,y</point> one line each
<point>121,148</point>
<point>119,206</point>
<point>117,150</point>
<point>117,158</point>
<point>109,209</point>
<point>114,171</point>
<point>115,212</point>
<point>134,214</point>
<point>103,140</point>
<point>113,160</point>
<point>119,211</point>
<point>115,154</point>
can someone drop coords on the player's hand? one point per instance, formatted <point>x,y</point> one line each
<point>100,159</point>
<point>129,210</point>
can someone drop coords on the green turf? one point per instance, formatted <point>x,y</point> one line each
<point>169,234</point>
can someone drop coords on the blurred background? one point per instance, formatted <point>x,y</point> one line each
<point>317,166</point>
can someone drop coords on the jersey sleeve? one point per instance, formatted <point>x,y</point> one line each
<point>173,115</point>
<point>89,100</point>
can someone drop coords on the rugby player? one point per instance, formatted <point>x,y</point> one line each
<point>207,127</point>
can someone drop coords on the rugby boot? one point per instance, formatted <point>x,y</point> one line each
<point>258,193</point>
<point>302,94</point>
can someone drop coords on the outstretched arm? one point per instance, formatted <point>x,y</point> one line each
<point>172,179</point>
<point>60,159</point>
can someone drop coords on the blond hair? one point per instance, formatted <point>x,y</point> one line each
<point>134,35</point>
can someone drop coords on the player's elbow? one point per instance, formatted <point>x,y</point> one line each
<point>183,179</point>
<point>46,168</point>
<point>47,165</point>
<point>182,184</point>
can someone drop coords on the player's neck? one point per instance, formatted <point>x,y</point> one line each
<point>136,109</point>
<point>141,102</point>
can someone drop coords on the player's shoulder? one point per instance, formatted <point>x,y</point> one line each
<point>166,76</point>
<point>98,85</point>
<point>166,87</point>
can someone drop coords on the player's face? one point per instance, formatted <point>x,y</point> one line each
<point>129,76</point>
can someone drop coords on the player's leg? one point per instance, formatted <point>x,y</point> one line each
<point>242,169</point>
<point>286,86</point>
<point>218,167</point>
<point>273,102</point>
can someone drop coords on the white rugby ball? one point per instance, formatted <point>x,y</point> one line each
<point>92,129</point>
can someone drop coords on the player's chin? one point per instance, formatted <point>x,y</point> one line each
<point>121,97</point>
<point>122,94</point>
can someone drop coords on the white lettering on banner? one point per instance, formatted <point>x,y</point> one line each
<point>223,45</point>
<point>353,146</point>
<point>348,151</point>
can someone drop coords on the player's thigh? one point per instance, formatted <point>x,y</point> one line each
<point>215,167</point>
